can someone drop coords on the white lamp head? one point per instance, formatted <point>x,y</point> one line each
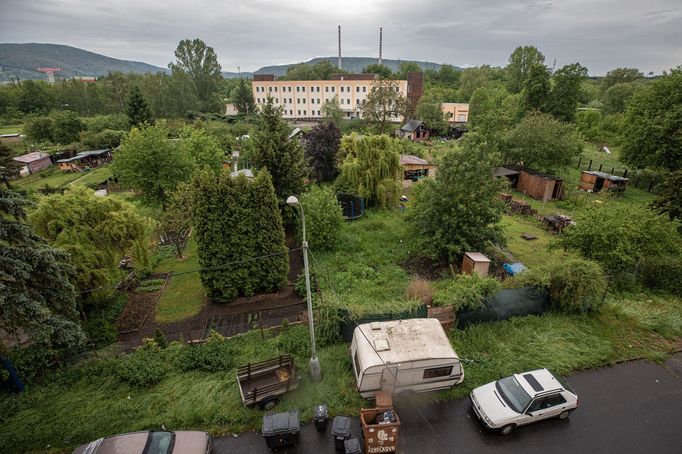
<point>292,200</point>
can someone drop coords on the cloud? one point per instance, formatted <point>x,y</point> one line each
<point>601,34</point>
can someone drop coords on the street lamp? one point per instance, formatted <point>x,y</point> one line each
<point>315,370</point>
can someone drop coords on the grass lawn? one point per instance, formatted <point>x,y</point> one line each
<point>183,296</point>
<point>533,252</point>
<point>52,176</point>
<point>11,129</point>
<point>93,177</point>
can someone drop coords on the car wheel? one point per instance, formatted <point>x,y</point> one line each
<point>269,404</point>
<point>506,430</point>
<point>564,414</point>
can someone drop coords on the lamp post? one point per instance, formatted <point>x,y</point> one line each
<point>315,370</point>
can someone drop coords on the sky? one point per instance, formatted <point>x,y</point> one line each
<point>599,34</point>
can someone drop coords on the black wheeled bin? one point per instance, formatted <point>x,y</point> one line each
<point>341,431</point>
<point>352,446</point>
<point>321,417</point>
<point>281,429</point>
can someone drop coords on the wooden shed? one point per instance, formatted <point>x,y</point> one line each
<point>475,262</point>
<point>85,160</point>
<point>33,162</point>
<point>414,130</point>
<point>415,168</point>
<point>592,180</point>
<point>535,184</point>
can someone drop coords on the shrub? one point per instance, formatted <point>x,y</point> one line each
<point>323,217</point>
<point>100,140</point>
<point>295,341</point>
<point>143,368</point>
<point>67,127</point>
<point>99,123</point>
<point>160,338</point>
<point>420,289</point>
<point>574,285</point>
<point>39,129</point>
<point>466,291</point>
<point>213,355</point>
<point>664,273</point>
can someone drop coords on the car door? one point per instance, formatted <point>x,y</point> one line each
<point>545,407</point>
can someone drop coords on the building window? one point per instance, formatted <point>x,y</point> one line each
<point>357,101</point>
<point>289,100</point>
<point>364,89</point>
<point>299,112</point>
<point>333,88</point>
<point>318,113</point>
<point>304,113</point>
<point>298,88</point>
<point>326,89</point>
<point>437,372</point>
<point>357,89</point>
<point>303,88</point>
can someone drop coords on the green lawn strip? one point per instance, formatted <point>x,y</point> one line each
<point>92,177</point>
<point>183,296</point>
<point>53,177</point>
<point>64,415</point>
<point>11,129</point>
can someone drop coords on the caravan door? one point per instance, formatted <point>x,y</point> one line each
<point>388,378</point>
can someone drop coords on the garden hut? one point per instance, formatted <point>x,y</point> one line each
<point>592,180</point>
<point>537,185</point>
<point>33,162</point>
<point>475,262</point>
<point>85,160</point>
<point>415,168</point>
<point>414,130</point>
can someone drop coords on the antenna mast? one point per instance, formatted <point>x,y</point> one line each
<point>339,61</point>
<point>381,34</point>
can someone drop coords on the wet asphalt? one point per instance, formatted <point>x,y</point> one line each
<point>633,407</point>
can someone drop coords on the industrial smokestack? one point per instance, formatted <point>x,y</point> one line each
<point>339,62</point>
<point>381,34</point>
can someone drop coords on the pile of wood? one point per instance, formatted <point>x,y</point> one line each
<point>557,222</point>
<point>506,198</point>
<point>521,207</point>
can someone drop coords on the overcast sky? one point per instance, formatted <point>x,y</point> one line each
<point>600,34</point>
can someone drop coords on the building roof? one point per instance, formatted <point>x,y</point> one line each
<point>85,154</point>
<point>504,172</point>
<point>477,256</point>
<point>248,173</point>
<point>31,157</point>
<point>406,159</point>
<point>605,175</point>
<point>411,125</point>
<point>10,136</point>
<point>295,132</point>
<point>398,341</point>
<point>533,172</point>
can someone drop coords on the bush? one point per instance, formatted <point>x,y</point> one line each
<point>295,341</point>
<point>67,127</point>
<point>664,273</point>
<point>99,123</point>
<point>100,140</point>
<point>39,129</point>
<point>32,362</point>
<point>421,290</point>
<point>466,291</point>
<point>574,285</point>
<point>323,218</point>
<point>213,355</point>
<point>146,367</point>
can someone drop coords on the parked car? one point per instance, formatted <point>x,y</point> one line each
<point>522,399</point>
<point>150,442</point>
<point>413,355</point>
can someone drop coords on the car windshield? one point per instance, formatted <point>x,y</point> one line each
<point>159,443</point>
<point>513,393</point>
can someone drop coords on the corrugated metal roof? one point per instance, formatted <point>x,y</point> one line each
<point>31,157</point>
<point>411,159</point>
<point>504,172</point>
<point>411,125</point>
<point>85,154</point>
<point>605,175</point>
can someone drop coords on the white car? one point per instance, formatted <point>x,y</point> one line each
<point>522,399</point>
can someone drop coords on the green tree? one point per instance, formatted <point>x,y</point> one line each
<point>492,113</point>
<point>36,294</point>
<point>620,236</point>
<point>477,77</point>
<point>536,88</point>
<point>521,63</point>
<point>542,142</point>
<point>620,76</point>
<point>179,214</point>
<point>8,167</point>
<point>459,210</point>
<point>669,200</point>
<point>587,123</point>
<point>653,136</point>
<point>200,63</point>
<point>432,114</point>
<point>616,97</point>
<point>147,161</point>
<point>383,71</point>
<point>323,217</point>
<point>67,127</point>
<point>384,104</point>
<point>39,129</point>
<point>35,97</point>
<point>564,97</point>
<point>446,76</point>
<point>243,98</point>
<point>273,150</point>
<point>331,111</point>
<point>321,150</point>
<point>371,169</point>
<point>97,232</point>
<point>203,149</point>
<point>240,239</point>
<point>137,109</point>
<point>407,67</point>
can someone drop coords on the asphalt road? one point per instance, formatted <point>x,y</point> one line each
<point>630,408</point>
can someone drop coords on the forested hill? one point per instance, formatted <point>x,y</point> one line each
<point>351,64</point>
<point>21,60</point>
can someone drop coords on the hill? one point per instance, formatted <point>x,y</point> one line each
<point>352,64</point>
<point>21,60</point>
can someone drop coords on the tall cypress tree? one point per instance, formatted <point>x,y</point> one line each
<point>243,99</point>
<point>238,222</point>
<point>36,295</point>
<point>137,109</point>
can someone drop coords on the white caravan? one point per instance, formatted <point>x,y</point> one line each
<point>404,355</point>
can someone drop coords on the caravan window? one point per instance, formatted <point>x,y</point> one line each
<point>357,364</point>
<point>437,372</point>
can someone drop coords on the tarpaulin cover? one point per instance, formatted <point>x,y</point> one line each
<point>507,303</point>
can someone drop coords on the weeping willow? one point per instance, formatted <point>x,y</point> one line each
<point>371,169</point>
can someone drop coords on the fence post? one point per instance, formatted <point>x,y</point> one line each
<point>625,174</point>
<point>600,165</point>
<point>579,161</point>
<point>612,170</point>
<point>590,166</point>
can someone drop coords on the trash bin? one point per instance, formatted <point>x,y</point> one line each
<point>321,416</point>
<point>352,446</point>
<point>281,429</point>
<point>380,428</point>
<point>341,431</point>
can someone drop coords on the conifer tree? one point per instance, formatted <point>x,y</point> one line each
<point>243,99</point>
<point>138,109</point>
